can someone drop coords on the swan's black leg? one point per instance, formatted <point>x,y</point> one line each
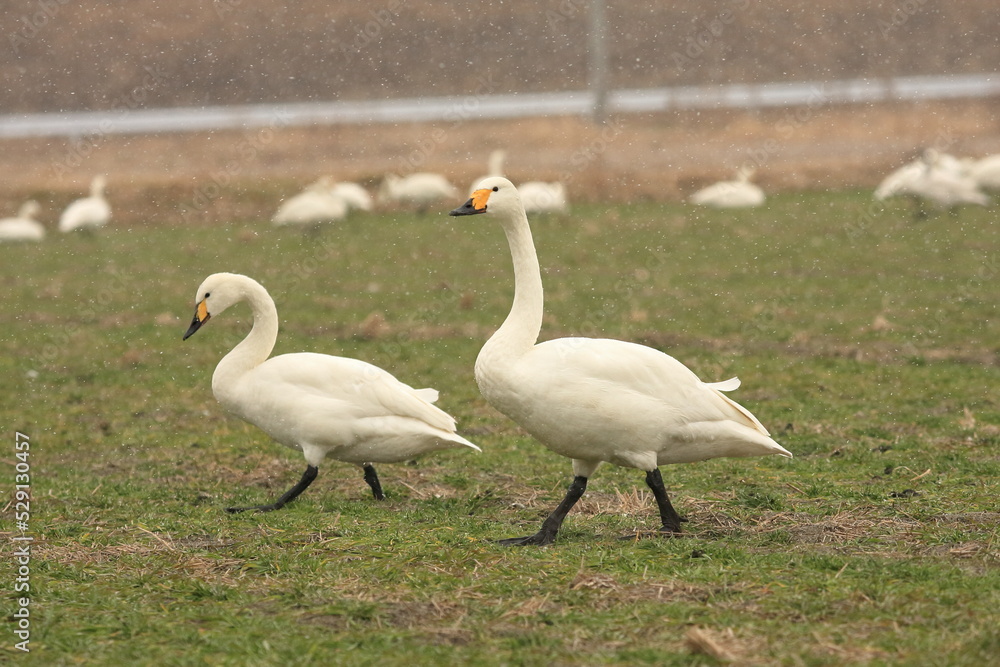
<point>372,478</point>
<point>307,478</point>
<point>551,525</point>
<point>671,520</point>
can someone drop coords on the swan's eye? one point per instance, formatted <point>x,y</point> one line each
<point>208,294</point>
<point>496,188</point>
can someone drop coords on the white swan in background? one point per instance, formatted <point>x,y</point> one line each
<point>311,207</point>
<point>354,195</point>
<point>595,400</point>
<point>938,178</point>
<point>986,172</point>
<point>321,405</point>
<point>419,190</point>
<point>541,197</point>
<point>494,166</point>
<point>88,213</point>
<point>898,182</point>
<point>737,193</point>
<point>24,226</point>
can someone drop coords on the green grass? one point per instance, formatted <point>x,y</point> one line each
<point>867,343</point>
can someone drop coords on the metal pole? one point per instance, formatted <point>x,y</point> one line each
<point>598,58</point>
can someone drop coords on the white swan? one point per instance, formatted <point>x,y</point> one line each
<point>87,213</point>
<point>354,195</point>
<point>311,207</point>
<point>419,190</point>
<point>322,405</point>
<point>936,177</point>
<point>23,227</point>
<point>494,166</point>
<point>541,197</point>
<point>898,182</point>
<point>595,400</point>
<point>737,193</point>
<point>986,172</point>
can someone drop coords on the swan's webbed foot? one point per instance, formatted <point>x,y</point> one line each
<point>541,538</point>
<point>307,478</point>
<point>550,527</point>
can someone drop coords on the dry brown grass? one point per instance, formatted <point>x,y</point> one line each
<point>159,178</point>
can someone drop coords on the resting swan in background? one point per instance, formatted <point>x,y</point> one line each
<point>596,400</point>
<point>419,190</point>
<point>88,213</point>
<point>321,405</point>
<point>23,227</point>
<point>541,197</point>
<point>312,207</point>
<point>737,193</point>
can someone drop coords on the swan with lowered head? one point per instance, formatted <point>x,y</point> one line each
<point>419,190</point>
<point>542,197</point>
<point>321,405</point>
<point>88,213</point>
<point>737,193</point>
<point>597,400</point>
<point>354,195</point>
<point>312,207</point>
<point>23,227</point>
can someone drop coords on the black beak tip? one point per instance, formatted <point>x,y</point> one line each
<point>195,325</point>
<point>468,208</point>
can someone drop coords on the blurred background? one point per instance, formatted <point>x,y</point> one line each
<point>125,58</point>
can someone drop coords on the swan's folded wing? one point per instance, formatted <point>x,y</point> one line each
<point>350,385</point>
<point>403,401</point>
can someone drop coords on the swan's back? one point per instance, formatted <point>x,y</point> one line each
<point>418,188</point>
<point>729,194</point>
<point>23,227</point>
<point>20,229</point>
<point>310,207</point>
<point>542,197</point>
<point>354,195</point>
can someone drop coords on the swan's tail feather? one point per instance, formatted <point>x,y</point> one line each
<point>428,394</point>
<point>725,385</point>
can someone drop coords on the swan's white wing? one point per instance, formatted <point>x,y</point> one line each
<point>613,371</point>
<point>353,388</point>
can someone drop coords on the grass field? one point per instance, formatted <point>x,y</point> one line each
<point>867,342</point>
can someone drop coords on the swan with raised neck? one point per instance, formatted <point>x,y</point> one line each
<point>599,400</point>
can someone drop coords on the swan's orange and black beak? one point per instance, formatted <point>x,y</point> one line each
<point>477,204</point>
<point>201,316</point>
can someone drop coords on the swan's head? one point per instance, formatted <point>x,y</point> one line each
<point>218,292</point>
<point>495,194</point>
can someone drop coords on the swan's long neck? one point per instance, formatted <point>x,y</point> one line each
<point>253,350</point>
<point>519,331</point>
